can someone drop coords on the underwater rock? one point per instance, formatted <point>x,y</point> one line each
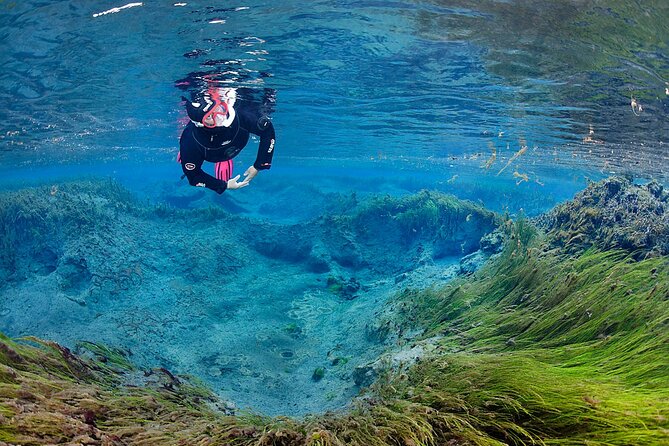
<point>44,262</point>
<point>656,189</point>
<point>74,275</point>
<point>492,243</point>
<point>346,289</point>
<point>284,243</point>
<point>341,245</point>
<point>319,260</point>
<point>39,226</point>
<point>400,278</point>
<point>339,360</point>
<point>293,330</point>
<point>318,374</point>
<point>612,214</point>
<point>472,262</point>
<point>392,235</point>
<point>317,265</point>
<point>395,361</point>
<point>118,241</point>
<point>378,330</point>
<point>365,375</point>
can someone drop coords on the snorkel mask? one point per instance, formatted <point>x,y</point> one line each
<point>213,109</point>
<point>217,114</point>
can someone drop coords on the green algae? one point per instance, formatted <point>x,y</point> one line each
<point>35,222</point>
<point>540,346</point>
<point>113,359</point>
<point>572,379</point>
<point>425,213</point>
<point>574,348</point>
<point>612,214</point>
<point>53,401</point>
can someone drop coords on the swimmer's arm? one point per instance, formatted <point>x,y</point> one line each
<point>266,146</point>
<point>192,168</point>
<point>265,130</point>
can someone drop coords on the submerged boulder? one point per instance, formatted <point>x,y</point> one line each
<point>395,361</point>
<point>387,235</point>
<point>393,234</point>
<point>472,262</point>
<point>612,214</point>
<point>493,242</point>
<point>38,226</point>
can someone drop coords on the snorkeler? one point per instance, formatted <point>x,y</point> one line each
<point>217,132</point>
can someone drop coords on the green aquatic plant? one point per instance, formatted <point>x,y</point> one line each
<point>532,349</point>
<point>574,349</point>
<point>540,346</point>
<point>112,359</point>
<point>292,329</point>
<point>427,223</point>
<point>48,395</point>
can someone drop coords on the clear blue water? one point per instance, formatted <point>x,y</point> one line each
<point>370,97</point>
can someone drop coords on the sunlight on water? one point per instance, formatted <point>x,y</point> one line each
<point>423,79</point>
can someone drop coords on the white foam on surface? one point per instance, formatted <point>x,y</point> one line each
<point>117,9</point>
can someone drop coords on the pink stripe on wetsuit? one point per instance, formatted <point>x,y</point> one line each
<point>223,169</point>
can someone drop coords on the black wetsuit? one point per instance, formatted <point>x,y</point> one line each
<point>199,144</point>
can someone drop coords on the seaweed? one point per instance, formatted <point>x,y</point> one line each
<point>540,346</point>
<point>599,378</point>
<point>568,350</point>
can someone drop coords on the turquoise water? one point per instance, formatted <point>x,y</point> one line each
<point>513,105</point>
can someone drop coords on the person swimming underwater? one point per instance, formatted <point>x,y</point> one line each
<point>217,132</point>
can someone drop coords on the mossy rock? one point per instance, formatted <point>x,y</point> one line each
<point>318,374</point>
<point>612,214</point>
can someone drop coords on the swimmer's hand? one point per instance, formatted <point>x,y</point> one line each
<point>250,174</point>
<point>234,183</point>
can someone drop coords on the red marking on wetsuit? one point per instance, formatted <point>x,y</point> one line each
<point>224,170</point>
